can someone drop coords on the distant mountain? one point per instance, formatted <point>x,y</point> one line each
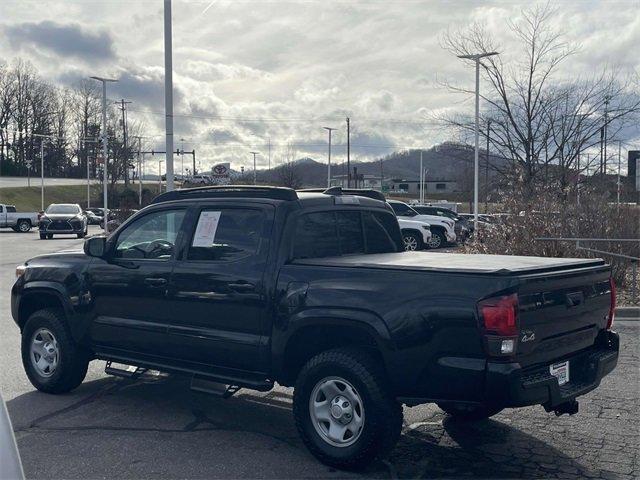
<point>447,161</point>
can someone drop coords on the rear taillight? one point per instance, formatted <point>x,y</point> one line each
<point>499,318</point>
<point>612,306</point>
<point>499,315</point>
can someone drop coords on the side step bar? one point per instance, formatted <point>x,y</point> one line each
<point>200,384</point>
<point>123,370</point>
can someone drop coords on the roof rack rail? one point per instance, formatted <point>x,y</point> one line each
<point>362,192</point>
<point>217,191</point>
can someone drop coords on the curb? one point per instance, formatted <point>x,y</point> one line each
<point>628,313</point>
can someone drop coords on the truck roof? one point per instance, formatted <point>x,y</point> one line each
<point>307,198</point>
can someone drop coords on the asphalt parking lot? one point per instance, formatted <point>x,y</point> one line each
<point>156,427</point>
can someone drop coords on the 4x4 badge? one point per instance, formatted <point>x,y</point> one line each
<point>527,336</point>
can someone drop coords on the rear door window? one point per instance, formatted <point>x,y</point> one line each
<point>316,236</point>
<point>227,234</point>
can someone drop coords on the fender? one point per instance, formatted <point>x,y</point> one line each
<point>366,321</point>
<point>68,301</point>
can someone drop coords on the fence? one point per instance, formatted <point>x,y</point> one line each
<point>634,260</point>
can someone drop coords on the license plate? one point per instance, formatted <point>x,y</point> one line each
<point>560,371</point>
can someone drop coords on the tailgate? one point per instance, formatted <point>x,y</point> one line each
<point>561,313</point>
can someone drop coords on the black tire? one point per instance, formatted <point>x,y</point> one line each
<point>23,226</point>
<point>469,413</point>
<point>72,361</point>
<point>437,239</point>
<point>43,236</point>
<point>412,242</point>
<point>49,236</point>
<point>382,413</point>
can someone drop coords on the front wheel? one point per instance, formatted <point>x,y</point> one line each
<point>469,413</point>
<point>52,360</point>
<point>343,409</point>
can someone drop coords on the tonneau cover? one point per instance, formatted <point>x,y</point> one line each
<point>454,262</point>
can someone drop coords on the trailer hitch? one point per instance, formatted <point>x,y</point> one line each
<point>570,408</point>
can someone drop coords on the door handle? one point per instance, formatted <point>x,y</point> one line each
<point>155,281</point>
<point>242,287</point>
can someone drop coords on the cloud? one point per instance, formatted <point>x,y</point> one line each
<point>69,40</point>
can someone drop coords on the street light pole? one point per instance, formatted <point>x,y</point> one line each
<point>476,167</point>
<point>42,174</point>
<point>255,174</point>
<point>168,92</point>
<point>104,146</point>
<point>329,129</point>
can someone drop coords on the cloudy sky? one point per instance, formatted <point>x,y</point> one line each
<point>249,72</point>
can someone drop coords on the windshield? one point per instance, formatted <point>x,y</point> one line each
<point>63,209</point>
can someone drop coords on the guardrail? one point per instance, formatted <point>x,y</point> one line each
<point>634,260</point>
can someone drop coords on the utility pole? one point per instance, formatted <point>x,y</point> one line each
<point>42,175</point>
<point>182,159</point>
<point>605,131</point>
<point>122,104</point>
<point>105,139</point>
<point>269,153</point>
<point>619,163</point>
<point>486,170</point>
<point>255,172</point>
<point>421,183</point>
<point>348,154</point>
<point>329,129</point>
<point>168,92</point>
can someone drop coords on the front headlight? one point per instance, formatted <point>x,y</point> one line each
<point>20,269</point>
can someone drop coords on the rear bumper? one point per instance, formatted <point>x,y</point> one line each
<point>510,385</point>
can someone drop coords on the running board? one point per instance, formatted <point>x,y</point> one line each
<point>200,384</point>
<point>123,370</point>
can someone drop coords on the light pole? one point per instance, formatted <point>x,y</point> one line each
<point>421,183</point>
<point>168,92</point>
<point>105,137</point>
<point>182,159</point>
<point>476,167</point>
<point>160,176</point>
<point>84,142</point>
<point>255,174</point>
<point>329,129</point>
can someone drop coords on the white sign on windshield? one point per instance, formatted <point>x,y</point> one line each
<point>206,229</point>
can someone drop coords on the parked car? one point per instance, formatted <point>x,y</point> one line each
<point>18,221</point>
<point>198,181</point>
<point>94,215</point>
<point>461,227</point>
<point>63,218</point>
<point>416,235</point>
<point>246,286</point>
<point>442,228</point>
<point>116,217</point>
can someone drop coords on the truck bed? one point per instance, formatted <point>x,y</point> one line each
<point>456,262</point>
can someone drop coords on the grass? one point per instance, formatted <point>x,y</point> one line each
<point>27,199</point>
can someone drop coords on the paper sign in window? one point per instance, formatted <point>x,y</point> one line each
<point>206,229</point>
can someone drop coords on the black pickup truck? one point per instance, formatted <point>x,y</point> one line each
<point>248,286</point>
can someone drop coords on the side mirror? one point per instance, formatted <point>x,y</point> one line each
<point>95,246</point>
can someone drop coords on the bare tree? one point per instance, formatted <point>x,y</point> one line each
<point>288,171</point>
<point>538,123</point>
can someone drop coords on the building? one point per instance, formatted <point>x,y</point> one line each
<point>412,187</point>
<point>357,181</point>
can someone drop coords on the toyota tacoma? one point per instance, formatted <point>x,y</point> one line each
<point>243,287</point>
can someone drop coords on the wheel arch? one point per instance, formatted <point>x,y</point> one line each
<point>40,296</point>
<point>317,331</point>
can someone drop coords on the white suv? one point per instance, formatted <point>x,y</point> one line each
<point>442,228</point>
<point>416,235</point>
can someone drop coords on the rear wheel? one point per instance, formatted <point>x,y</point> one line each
<point>43,236</point>
<point>411,241</point>
<point>343,409</point>
<point>23,226</point>
<point>52,360</point>
<point>469,413</point>
<point>437,239</point>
